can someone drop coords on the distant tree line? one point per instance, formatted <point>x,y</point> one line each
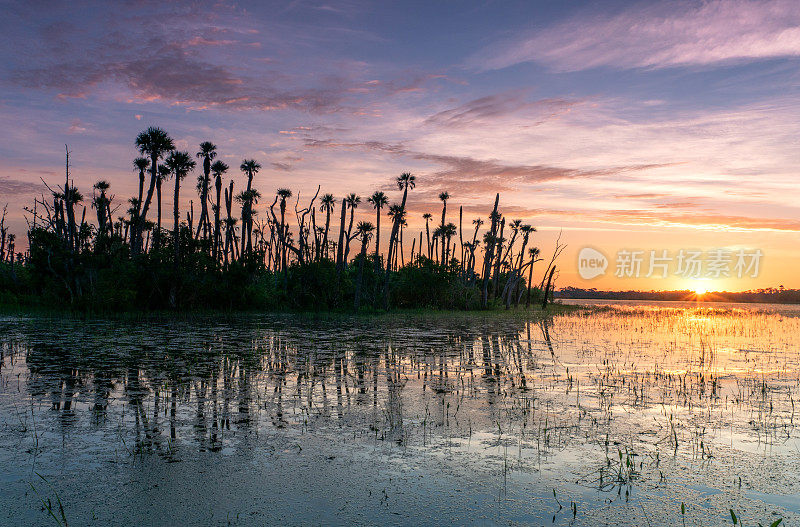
<point>771,295</point>
<point>232,250</point>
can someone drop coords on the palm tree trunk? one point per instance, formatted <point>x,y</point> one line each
<point>215,247</point>
<point>157,239</point>
<point>546,291</point>
<point>461,234</point>
<point>378,239</point>
<point>428,236</point>
<point>141,191</point>
<point>357,299</point>
<point>247,214</point>
<point>229,239</point>
<point>445,243</point>
<point>349,232</point>
<point>340,247</point>
<point>176,221</point>
<point>201,223</point>
<point>487,262</point>
<point>143,216</point>
<point>402,258</point>
<point>244,225</point>
<point>327,225</point>
<point>282,232</point>
<point>392,238</point>
<point>499,259</point>
<point>315,247</point>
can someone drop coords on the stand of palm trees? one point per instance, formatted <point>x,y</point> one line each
<point>264,258</point>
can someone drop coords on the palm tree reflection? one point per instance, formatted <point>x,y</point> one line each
<point>212,391</point>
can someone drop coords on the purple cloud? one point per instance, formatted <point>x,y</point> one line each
<point>198,59</point>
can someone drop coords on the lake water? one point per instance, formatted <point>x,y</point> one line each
<point>611,416</point>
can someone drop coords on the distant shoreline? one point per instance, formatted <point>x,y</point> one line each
<point>759,296</point>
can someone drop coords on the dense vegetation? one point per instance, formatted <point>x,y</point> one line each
<point>228,254</point>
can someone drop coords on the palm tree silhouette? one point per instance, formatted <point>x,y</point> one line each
<point>438,233</point>
<point>444,196</point>
<point>207,152</point>
<point>283,194</point>
<point>153,142</point>
<point>352,201</point>
<point>250,167</point>
<point>534,254</point>
<point>404,181</point>
<point>133,212</point>
<point>163,174</point>
<point>427,216</point>
<point>101,203</point>
<point>448,231</point>
<point>230,249</point>
<point>364,231</point>
<point>180,164</point>
<point>218,168</point>
<point>141,164</point>
<point>378,200</point>
<point>248,198</point>
<point>328,202</point>
<point>398,215</point>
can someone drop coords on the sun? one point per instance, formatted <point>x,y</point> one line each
<point>698,288</point>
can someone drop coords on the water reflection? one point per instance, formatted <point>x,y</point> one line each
<point>201,382</point>
<point>588,393</point>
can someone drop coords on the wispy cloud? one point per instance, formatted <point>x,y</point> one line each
<point>167,72</point>
<point>642,196</point>
<point>16,187</point>
<point>200,59</point>
<point>703,220</point>
<point>471,177</point>
<point>658,35</point>
<point>492,107</point>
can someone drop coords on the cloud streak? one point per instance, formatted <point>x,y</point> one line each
<point>16,187</point>
<point>167,72</point>
<point>476,177</point>
<point>658,35</point>
<point>493,107</point>
<point>702,220</point>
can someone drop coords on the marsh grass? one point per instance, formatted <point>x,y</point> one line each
<point>54,510</point>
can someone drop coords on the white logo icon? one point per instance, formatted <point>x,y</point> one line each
<point>591,263</point>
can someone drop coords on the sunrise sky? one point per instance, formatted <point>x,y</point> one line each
<point>625,125</point>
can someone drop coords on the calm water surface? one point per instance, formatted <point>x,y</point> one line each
<point>614,416</point>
